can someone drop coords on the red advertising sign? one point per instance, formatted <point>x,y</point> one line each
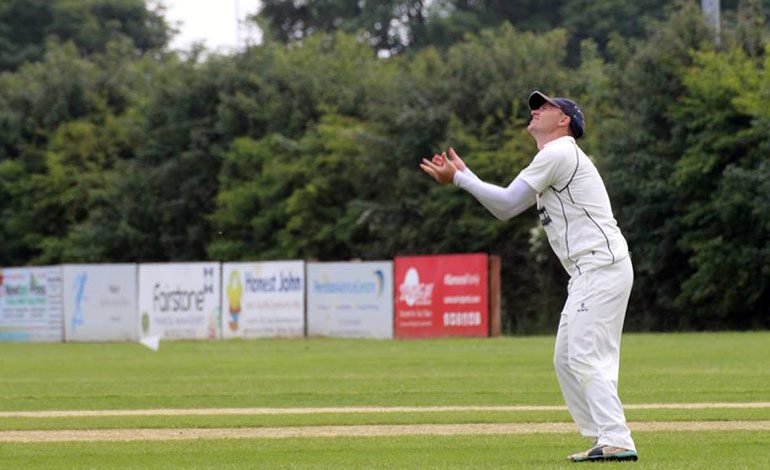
<point>441,295</point>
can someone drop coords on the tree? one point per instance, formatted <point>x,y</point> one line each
<point>54,147</point>
<point>26,26</point>
<point>639,156</point>
<point>313,202</point>
<point>719,180</point>
<point>388,25</point>
<point>158,200</point>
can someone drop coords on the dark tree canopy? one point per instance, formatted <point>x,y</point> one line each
<point>90,24</point>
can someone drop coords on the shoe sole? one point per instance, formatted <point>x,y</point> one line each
<point>619,457</point>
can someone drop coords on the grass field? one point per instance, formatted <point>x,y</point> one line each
<point>484,379</point>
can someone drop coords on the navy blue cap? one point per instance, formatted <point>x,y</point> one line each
<point>570,108</point>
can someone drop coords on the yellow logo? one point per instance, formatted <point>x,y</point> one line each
<point>234,294</point>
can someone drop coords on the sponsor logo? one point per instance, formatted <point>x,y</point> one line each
<point>208,280</point>
<point>583,307</point>
<point>178,300</point>
<point>545,218</point>
<point>462,299</point>
<point>29,288</point>
<point>234,294</point>
<point>34,289</point>
<point>380,276</point>
<point>345,287</point>
<point>183,299</point>
<point>282,282</point>
<point>467,279</point>
<point>145,323</point>
<point>80,297</point>
<point>413,292</point>
<point>462,318</point>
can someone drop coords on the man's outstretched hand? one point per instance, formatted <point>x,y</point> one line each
<point>458,162</point>
<point>441,168</point>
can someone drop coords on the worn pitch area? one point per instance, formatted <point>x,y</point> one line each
<point>354,430</point>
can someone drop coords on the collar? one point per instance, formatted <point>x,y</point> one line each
<point>562,139</point>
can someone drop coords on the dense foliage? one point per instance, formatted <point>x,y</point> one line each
<point>114,148</point>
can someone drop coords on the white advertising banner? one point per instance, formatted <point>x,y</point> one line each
<point>31,304</point>
<point>264,299</point>
<point>353,300</point>
<point>179,300</point>
<point>100,302</point>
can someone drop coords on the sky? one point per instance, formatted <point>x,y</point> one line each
<point>213,22</point>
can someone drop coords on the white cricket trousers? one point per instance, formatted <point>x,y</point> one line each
<point>587,352</point>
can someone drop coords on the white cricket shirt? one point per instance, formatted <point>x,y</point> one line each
<point>574,207</point>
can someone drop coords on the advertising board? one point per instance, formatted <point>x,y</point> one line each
<point>350,299</point>
<point>31,304</point>
<point>263,299</point>
<point>441,295</point>
<point>100,302</point>
<point>179,300</point>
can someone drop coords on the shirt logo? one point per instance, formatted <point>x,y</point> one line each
<point>545,218</point>
<point>583,307</point>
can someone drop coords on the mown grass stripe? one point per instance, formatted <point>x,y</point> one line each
<point>357,409</point>
<point>357,431</point>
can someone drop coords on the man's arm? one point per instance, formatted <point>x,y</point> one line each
<point>503,203</point>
